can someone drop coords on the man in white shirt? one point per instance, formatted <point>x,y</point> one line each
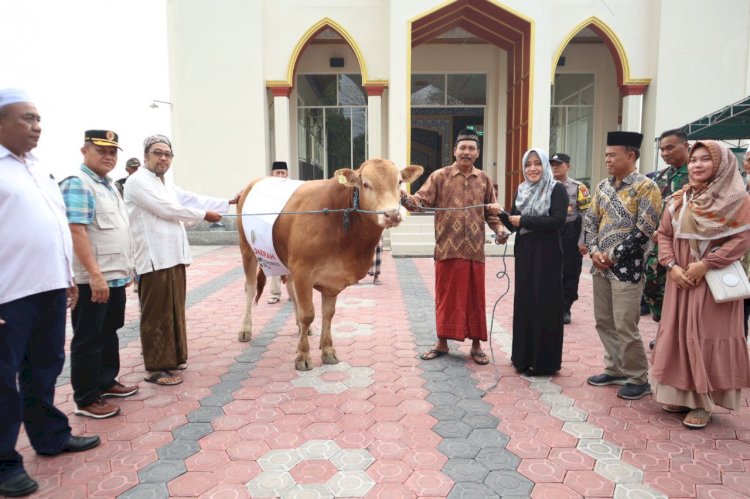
<point>158,209</point>
<point>36,287</point>
<point>278,169</point>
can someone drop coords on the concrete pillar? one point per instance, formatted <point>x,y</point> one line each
<point>375,120</point>
<point>282,129</point>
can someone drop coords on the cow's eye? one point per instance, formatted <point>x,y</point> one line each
<point>366,184</point>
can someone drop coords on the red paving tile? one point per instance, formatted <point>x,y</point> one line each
<point>390,418</point>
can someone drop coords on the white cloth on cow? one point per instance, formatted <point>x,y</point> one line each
<point>157,212</point>
<point>269,195</point>
<point>37,250</point>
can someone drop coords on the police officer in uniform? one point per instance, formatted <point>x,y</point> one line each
<point>571,235</point>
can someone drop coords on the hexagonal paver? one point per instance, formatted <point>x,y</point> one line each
<point>447,412</point>
<point>583,430</point>
<point>556,400</point>
<point>350,484</point>
<point>352,460</point>
<point>389,470</point>
<point>509,483</point>
<point>279,460</point>
<point>573,414</point>
<point>619,471</point>
<point>318,449</point>
<point>498,458</point>
<point>270,484</point>
<point>479,420</point>
<point>457,448</point>
<point>469,490</point>
<point>488,437</point>
<point>308,491</point>
<point>465,470</point>
<point>599,449</point>
<point>452,429</point>
<point>542,470</point>
<point>637,491</point>
<point>313,471</point>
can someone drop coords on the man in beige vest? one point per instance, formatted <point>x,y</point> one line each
<point>102,266</point>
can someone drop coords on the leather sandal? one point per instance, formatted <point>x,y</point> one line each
<point>697,418</point>
<point>163,378</point>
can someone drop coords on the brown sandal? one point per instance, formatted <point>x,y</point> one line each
<point>480,358</point>
<point>697,418</point>
<point>163,378</point>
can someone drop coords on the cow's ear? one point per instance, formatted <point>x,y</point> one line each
<point>347,177</point>
<point>411,173</point>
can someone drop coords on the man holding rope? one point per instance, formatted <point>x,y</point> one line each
<point>459,245</point>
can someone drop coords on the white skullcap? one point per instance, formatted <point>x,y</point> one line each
<point>12,96</point>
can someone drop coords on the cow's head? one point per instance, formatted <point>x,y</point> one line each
<point>379,183</point>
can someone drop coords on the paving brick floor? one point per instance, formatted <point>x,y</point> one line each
<point>383,423</point>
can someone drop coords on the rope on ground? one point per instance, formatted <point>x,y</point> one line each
<point>501,275</point>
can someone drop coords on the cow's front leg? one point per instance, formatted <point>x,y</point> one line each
<point>328,353</point>
<point>305,316</point>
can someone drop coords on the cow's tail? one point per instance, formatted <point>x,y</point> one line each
<point>260,283</point>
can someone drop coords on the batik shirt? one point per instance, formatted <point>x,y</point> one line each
<point>620,223</point>
<point>458,233</point>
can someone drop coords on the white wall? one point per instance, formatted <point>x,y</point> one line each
<point>218,95</point>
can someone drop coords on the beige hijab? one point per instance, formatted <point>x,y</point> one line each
<point>714,210</point>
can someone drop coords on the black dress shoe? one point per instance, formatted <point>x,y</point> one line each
<point>18,486</point>
<point>77,444</point>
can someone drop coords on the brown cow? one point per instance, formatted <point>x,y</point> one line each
<point>317,249</point>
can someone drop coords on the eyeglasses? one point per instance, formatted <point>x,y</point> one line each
<point>159,154</point>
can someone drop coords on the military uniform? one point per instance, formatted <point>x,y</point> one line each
<point>571,236</point>
<point>669,180</point>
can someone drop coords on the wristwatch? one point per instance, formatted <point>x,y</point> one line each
<point>671,264</point>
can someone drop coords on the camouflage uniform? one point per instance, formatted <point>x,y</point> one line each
<point>669,180</point>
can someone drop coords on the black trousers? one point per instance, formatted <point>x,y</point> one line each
<point>95,348</point>
<point>32,353</point>
<point>572,262</point>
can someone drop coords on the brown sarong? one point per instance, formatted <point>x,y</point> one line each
<point>163,328</point>
<point>459,300</point>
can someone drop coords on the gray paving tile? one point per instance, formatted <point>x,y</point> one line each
<point>478,420</point>
<point>509,483</point>
<point>146,491</point>
<point>456,448</point>
<point>442,399</point>
<point>467,393</point>
<point>452,429</point>
<point>161,471</point>
<point>434,375</point>
<point>192,431</point>
<point>178,449</point>
<point>475,406</point>
<point>489,438</point>
<point>498,458</point>
<point>233,376</point>
<point>447,412</point>
<point>242,367</point>
<point>465,470</point>
<point>438,386</point>
<point>226,387</point>
<point>216,400</point>
<point>468,490</point>
<point>205,414</point>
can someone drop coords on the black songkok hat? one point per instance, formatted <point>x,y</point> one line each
<point>279,165</point>
<point>631,139</point>
<point>467,134</point>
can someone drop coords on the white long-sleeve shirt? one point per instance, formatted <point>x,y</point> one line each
<point>158,211</point>
<point>36,249</point>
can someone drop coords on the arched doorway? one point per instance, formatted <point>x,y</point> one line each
<point>591,78</point>
<point>444,87</point>
<point>326,93</point>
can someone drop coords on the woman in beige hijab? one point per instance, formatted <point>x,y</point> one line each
<point>701,357</point>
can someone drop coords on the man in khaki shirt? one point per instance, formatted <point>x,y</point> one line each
<point>459,245</point>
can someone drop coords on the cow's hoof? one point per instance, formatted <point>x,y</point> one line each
<point>245,336</point>
<point>330,358</point>
<point>303,364</point>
